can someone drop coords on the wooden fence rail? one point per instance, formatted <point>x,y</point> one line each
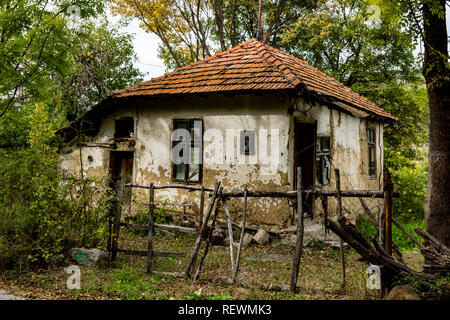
<point>217,196</point>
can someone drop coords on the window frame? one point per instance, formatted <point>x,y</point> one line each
<point>124,119</point>
<point>322,153</point>
<point>251,134</point>
<point>190,122</point>
<point>372,164</point>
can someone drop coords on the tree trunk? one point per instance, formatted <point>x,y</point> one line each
<point>436,73</point>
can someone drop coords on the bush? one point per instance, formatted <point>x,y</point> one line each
<point>141,218</point>
<point>43,214</point>
<point>411,183</point>
<point>402,240</point>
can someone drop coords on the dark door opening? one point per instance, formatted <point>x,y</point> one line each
<point>121,169</point>
<point>304,150</point>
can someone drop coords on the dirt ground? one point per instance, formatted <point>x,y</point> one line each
<point>320,275</point>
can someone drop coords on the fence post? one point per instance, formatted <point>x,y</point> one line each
<point>202,206</point>
<point>299,244</point>
<point>388,211</point>
<point>236,270</point>
<point>150,228</point>
<point>339,203</point>
<point>116,227</point>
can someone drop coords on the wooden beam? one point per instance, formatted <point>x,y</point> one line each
<point>202,230</point>
<point>314,193</point>
<point>340,215</point>
<point>300,228</point>
<point>155,253</point>
<point>388,211</point>
<point>116,227</point>
<point>241,240</point>
<point>169,186</point>
<point>150,229</point>
<point>230,233</point>
<point>205,252</point>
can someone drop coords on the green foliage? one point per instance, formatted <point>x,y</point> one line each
<point>42,60</point>
<point>141,217</point>
<point>411,183</point>
<point>376,62</point>
<point>192,30</point>
<point>402,240</point>
<point>429,288</point>
<point>130,284</point>
<point>42,214</point>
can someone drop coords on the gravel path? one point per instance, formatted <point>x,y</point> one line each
<point>6,296</point>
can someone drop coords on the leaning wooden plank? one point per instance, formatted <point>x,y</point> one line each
<point>205,252</point>
<point>116,228</point>
<point>150,229</point>
<point>230,234</point>
<point>160,228</point>
<point>414,239</point>
<point>372,219</point>
<point>339,202</point>
<point>435,243</point>
<point>202,230</point>
<point>202,205</point>
<point>171,227</point>
<point>241,240</point>
<point>300,227</point>
<point>368,212</point>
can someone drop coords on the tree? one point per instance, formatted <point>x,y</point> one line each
<point>376,61</point>
<point>191,30</point>
<point>436,71</point>
<point>68,70</point>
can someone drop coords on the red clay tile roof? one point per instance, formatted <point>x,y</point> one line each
<point>252,65</point>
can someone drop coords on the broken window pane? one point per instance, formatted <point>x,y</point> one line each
<point>191,133</point>
<point>323,165</point>
<point>124,127</point>
<point>248,142</point>
<point>180,171</point>
<point>371,140</point>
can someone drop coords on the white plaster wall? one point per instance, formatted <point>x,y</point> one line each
<point>153,127</point>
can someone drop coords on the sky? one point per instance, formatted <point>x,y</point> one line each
<point>146,47</point>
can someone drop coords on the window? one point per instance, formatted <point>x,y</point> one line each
<point>371,140</point>
<point>124,128</point>
<point>247,145</point>
<point>323,166</point>
<point>187,140</point>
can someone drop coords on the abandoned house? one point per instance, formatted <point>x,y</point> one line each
<point>252,114</point>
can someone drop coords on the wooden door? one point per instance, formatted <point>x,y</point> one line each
<point>121,169</point>
<point>304,151</point>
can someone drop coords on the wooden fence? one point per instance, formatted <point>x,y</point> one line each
<point>208,218</point>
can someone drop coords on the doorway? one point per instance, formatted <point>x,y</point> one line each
<point>121,169</point>
<point>304,154</point>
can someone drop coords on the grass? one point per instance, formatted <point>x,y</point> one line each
<point>319,277</point>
